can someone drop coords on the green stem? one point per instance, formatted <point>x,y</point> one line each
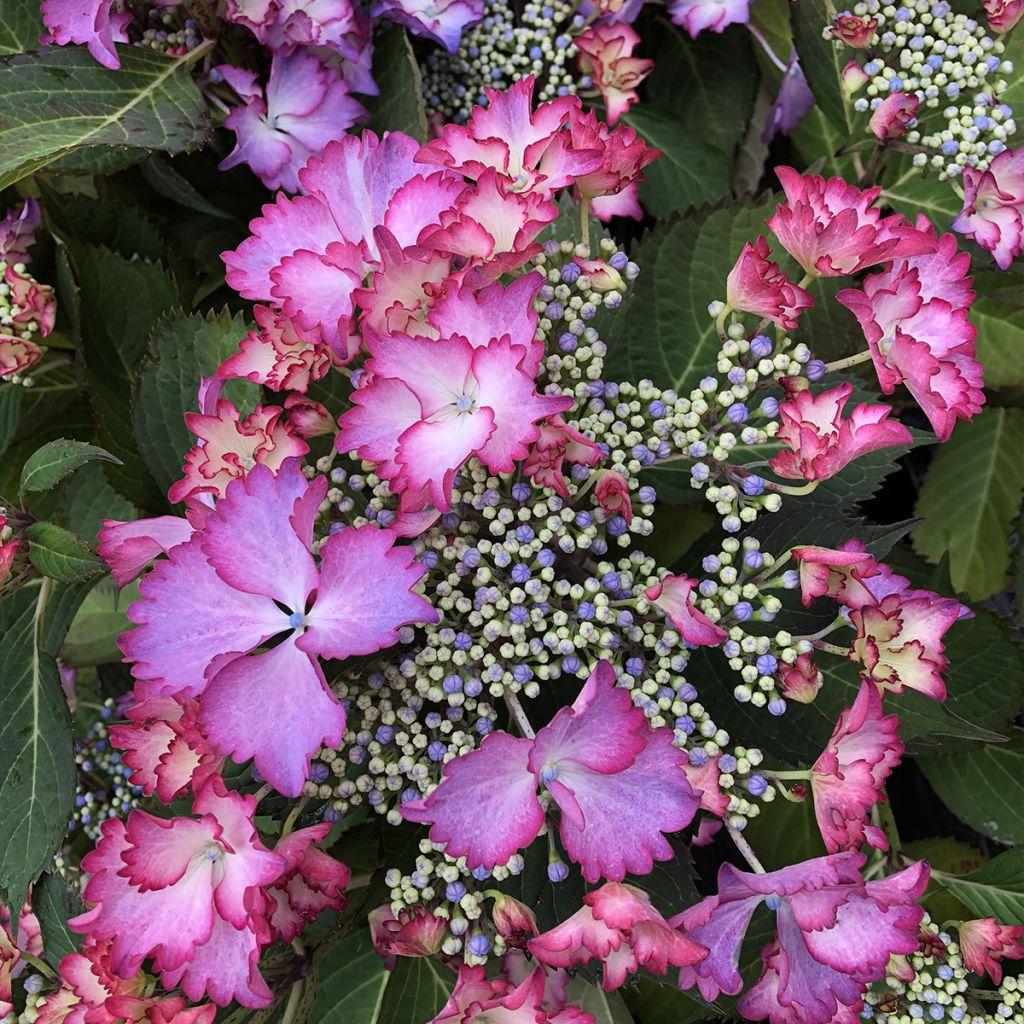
<point>842,652</point>
<point>585,221</point>
<point>807,488</point>
<point>40,965</point>
<point>887,823</point>
<point>293,1002</point>
<point>720,322</point>
<point>745,848</point>
<point>802,775</point>
<point>843,364</point>
<point>517,712</point>
<point>289,822</point>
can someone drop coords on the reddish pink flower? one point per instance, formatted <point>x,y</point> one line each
<point>306,255</point>
<point>229,447</point>
<point>280,355</point>
<point>698,15</point>
<point>172,1010</point>
<point>247,577</point>
<point>477,999</point>
<point>618,926</point>
<point>899,641</point>
<point>491,226</point>
<point>832,228</point>
<point>705,780</point>
<point>128,548</point>
<point>307,104</point>
<point>414,932</point>
<point>186,892</point>
<point>18,231</point>
<point>624,156</point>
<point>89,22</point>
<point>1003,14</point>
<point>430,405</point>
<point>513,921</point>
<point>312,882</point>
<point>822,442</point>
<point>17,354</point>
<point>612,494</point>
<point>843,574</point>
<point>165,748</point>
<point>35,301</point>
<point>22,936</point>
<point>527,150</point>
<point>606,55</point>
<point>801,681</point>
<point>8,548</point>
<point>756,285</point>
<point>847,779</point>
<point>993,213</point>
<point>622,204</point>
<point>307,418</point>
<point>894,116</point>
<point>556,444</point>
<point>854,30</point>
<point>674,596</point>
<point>985,942</point>
<point>335,24</point>
<point>914,316</point>
<point>618,783</point>
<point>835,934</point>
<point>86,984</point>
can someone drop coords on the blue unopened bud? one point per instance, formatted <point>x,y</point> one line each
<point>558,871</point>
<point>761,346</point>
<point>770,407</point>
<point>815,369</point>
<point>756,785</point>
<point>753,485</point>
<point>737,413</point>
<point>454,892</point>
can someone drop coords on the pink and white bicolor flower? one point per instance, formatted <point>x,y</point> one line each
<point>183,891</point>
<point>206,613</point>
<point>674,596</point>
<point>618,783</point>
<point>618,926</point>
<point>431,404</point>
<point>847,779</point>
<point>821,441</point>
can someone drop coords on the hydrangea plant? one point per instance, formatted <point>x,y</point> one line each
<point>511,513</point>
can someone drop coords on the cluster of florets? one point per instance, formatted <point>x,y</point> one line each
<point>924,56</point>
<point>170,30</point>
<point>27,308</point>
<point>104,786</point>
<point>501,48</point>
<point>932,984</point>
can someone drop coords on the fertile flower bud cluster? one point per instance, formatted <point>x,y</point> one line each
<point>501,48</point>
<point>932,984</point>
<point>923,56</point>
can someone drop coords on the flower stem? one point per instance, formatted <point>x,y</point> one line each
<point>289,822</point>
<point>40,965</point>
<point>842,652</point>
<point>807,488</point>
<point>802,775</point>
<point>830,628</point>
<point>585,221</point>
<point>843,364</point>
<point>745,848</point>
<point>517,712</point>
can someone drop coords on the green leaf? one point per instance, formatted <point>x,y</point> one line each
<point>122,300</point>
<point>54,902</point>
<point>37,759</point>
<point>604,1007</point>
<point>1000,338</point>
<point>352,981</point>
<point>689,172</point>
<point>54,461</point>
<point>716,73</point>
<point>970,498</point>
<point>785,833</point>
<point>417,989</point>
<point>994,890</point>
<point>59,99</point>
<point>183,348</point>
<point>817,139</point>
<point>399,106</point>
<point>167,182</point>
<point>912,190</point>
<point>20,26</point>
<point>983,787</point>
<point>87,499</point>
<point>821,61</point>
<point>62,555</point>
<point>92,637</point>
<point>669,337</point>
<point>654,1003</point>
<point>10,413</point>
